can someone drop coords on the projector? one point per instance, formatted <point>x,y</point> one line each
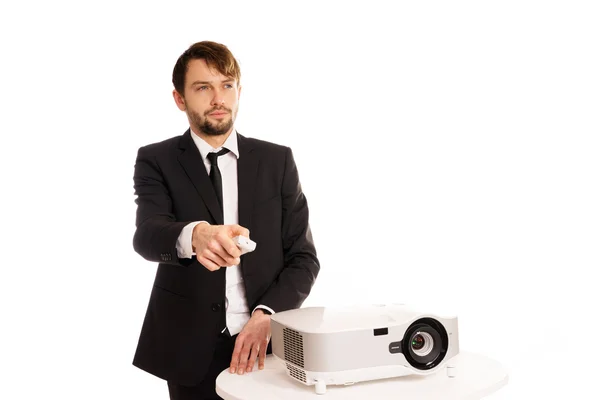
<point>323,346</point>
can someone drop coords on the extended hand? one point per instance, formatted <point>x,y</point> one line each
<point>214,246</point>
<point>252,342</point>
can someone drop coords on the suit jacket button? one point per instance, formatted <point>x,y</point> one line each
<point>216,307</point>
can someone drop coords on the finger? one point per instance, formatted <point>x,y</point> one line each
<point>215,258</point>
<point>235,357</point>
<point>229,247</point>
<point>208,264</point>
<point>244,358</point>
<point>252,359</point>
<point>262,354</point>
<point>216,247</point>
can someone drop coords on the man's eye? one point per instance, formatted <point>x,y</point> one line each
<point>228,86</point>
<point>202,88</point>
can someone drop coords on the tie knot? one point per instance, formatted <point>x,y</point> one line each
<point>212,157</point>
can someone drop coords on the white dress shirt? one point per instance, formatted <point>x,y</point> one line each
<point>236,305</point>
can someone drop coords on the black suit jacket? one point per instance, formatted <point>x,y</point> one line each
<point>186,311</point>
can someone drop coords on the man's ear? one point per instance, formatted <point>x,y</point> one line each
<point>179,100</point>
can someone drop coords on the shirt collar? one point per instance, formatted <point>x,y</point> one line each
<point>231,144</point>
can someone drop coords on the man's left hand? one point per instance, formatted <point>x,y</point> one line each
<point>252,342</point>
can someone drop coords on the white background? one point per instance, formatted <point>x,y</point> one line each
<point>449,152</point>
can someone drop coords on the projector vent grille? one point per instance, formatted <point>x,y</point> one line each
<point>293,347</point>
<point>296,373</point>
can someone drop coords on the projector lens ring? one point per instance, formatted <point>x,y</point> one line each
<point>425,343</point>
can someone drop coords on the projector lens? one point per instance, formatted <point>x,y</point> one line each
<point>422,344</point>
<point>425,343</point>
<point>418,342</point>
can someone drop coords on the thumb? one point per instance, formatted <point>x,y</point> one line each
<point>239,230</point>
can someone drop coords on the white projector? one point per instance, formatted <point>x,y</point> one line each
<point>323,346</point>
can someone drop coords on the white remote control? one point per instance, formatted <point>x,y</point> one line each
<point>245,245</point>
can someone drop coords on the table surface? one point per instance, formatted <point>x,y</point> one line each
<point>476,377</point>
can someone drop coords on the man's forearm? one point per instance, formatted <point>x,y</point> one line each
<point>184,241</point>
<point>292,286</point>
<point>155,239</point>
<point>297,277</point>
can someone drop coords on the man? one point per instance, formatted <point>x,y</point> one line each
<point>210,306</point>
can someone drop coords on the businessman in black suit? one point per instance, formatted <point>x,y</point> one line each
<point>210,306</point>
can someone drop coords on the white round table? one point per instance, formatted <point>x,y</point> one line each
<point>476,377</point>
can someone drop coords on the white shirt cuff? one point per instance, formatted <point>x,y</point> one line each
<point>184,241</point>
<point>264,308</point>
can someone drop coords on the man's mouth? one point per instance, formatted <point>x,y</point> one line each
<point>218,113</point>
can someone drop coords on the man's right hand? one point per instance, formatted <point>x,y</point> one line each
<point>214,246</point>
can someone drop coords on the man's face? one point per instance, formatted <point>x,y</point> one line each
<point>210,99</point>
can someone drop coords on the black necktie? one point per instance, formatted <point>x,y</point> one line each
<point>215,175</point>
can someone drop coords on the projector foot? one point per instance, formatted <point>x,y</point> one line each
<point>320,387</point>
<point>451,371</point>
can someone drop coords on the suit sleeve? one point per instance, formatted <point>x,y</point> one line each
<point>157,231</point>
<point>301,265</point>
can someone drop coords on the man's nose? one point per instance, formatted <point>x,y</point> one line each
<point>218,99</point>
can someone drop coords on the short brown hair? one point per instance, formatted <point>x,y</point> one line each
<point>216,55</point>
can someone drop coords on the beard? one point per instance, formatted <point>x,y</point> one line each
<point>204,125</point>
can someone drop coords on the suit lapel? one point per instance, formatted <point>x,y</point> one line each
<point>247,171</point>
<point>191,161</point>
